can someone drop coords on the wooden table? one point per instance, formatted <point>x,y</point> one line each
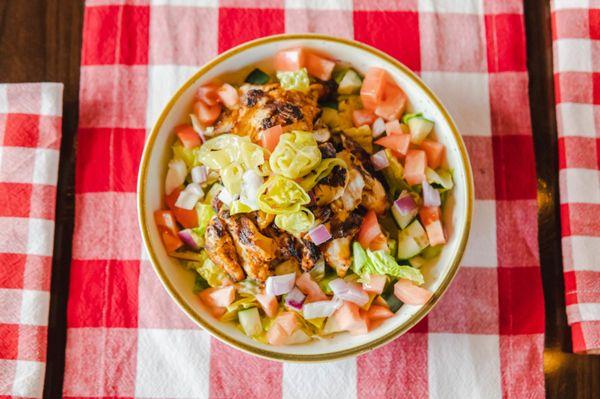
<point>41,41</point>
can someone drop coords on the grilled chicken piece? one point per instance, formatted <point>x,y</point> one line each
<point>221,249</point>
<point>309,253</point>
<point>352,195</point>
<point>374,197</point>
<point>347,227</point>
<point>331,187</point>
<point>264,219</point>
<point>264,106</point>
<point>284,242</point>
<point>337,254</point>
<point>255,250</point>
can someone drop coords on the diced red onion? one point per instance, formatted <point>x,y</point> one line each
<point>378,127</point>
<point>198,127</point>
<point>199,174</point>
<point>295,299</point>
<point>319,234</point>
<point>380,160</point>
<point>187,199</point>
<point>318,309</point>
<point>279,285</point>
<point>405,204</point>
<point>349,292</point>
<point>431,196</point>
<point>195,189</point>
<point>188,238</point>
<point>175,175</point>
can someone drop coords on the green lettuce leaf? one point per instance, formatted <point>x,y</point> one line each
<point>294,80</point>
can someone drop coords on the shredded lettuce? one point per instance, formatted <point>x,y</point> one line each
<point>318,271</point>
<point>380,262</point>
<point>297,222</point>
<point>323,170</point>
<point>294,80</point>
<point>362,135</point>
<point>205,212</point>
<point>212,273</point>
<point>280,195</point>
<point>187,155</point>
<point>241,304</point>
<point>393,175</point>
<point>200,284</point>
<point>238,206</point>
<point>214,190</point>
<point>296,154</point>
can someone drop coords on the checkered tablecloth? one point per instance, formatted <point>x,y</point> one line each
<point>30,123</point>
<point>576,42</point>
<point>126,338</point>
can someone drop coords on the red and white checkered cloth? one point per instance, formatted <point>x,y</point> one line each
<point>576,36</point>
<point>30,123</point>
<point>127,338</point>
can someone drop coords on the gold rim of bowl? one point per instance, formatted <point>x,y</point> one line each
<point>265,353</point>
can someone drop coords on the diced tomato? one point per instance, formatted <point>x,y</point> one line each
<point>268,303</point>
<point>375,284</point>
<point>363,117</point>
<point>187,217</point>
<point>218,312</point>
<point>310,288</point>
<point>362,325</point>
<point>319,67</point>
<point>374,323</point>
<point>172,198</point>
<point>379,312</point>
<point>288,321</point>
<point>270,138</point>
<point>171,241</point>
<point>398,143</point>
<point>290,60</point>
<point>188,136</point>
<point>369,229</point>
<point>218,297</point>
<point>207,114</point>
<point>414,167</point>
<point>434,152</point>
<point>412,294</point>
<point>208,93</point>
<point>228,95</point>
<point>165,221</point>
<point>379,243</point>
<point>371,91</point>
<point>348,316</point>
<point>431,219</point>
<point>276,335</point>
<point>393,127</point>
<point>393,104</point>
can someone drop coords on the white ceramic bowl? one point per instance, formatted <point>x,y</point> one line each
<point>457,213</point>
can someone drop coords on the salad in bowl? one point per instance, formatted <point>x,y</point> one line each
<point>305,198</point>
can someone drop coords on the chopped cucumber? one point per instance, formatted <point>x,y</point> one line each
<point>350,83</point>
<point>432,252</point>
<point>440,178</point>
<point>339,72</point>
<point>324,283</point>
<point>393,302</point>
<point>250,321</point>
<point>257,77</point>
<point>412,240</point>
<point>417,261</point>
<point>419,129</point>
<point>404,220</point>
<point>408,117</point>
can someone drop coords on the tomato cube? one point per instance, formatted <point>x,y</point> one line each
<point>371,91</point>
<point>207,114</point>
<point>414,167</point>
<point>270,138</point>
<point>228,95</point>
<point>319,67</point>
<point>363,117</point>
<point>290,60</point>
<point>188,136</point>
<point>434,152</point>
<point>398,143</point>
<point>393,103</point>
<point>171,241</point>
<point>208,93</point>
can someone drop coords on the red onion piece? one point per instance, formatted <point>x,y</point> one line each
<point>380,160</point>
<point>279,285</point>
<point>431,196</point>
<point>295,299</point>
<point>405,204</point>
<point>319,234</point>
<point>187,200</point>
<point>349,292</point>
<point>378,127</point>
<point>318,309</point>
<point>188,238</point>
<point>199,174</point>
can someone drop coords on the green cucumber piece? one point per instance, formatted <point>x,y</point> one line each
<point>412,240</point>
<point>250,321</point>
<point>419,129</point>
<point>417,261</point>
<point>350,83</point>
<point>391,300</point>
<point>257,77</point>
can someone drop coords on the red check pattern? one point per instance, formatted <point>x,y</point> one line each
<point>127,338</point>
<point>576,41</point>
<point>30,130</point>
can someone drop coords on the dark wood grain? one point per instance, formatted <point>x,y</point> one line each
<point>41,41</point>
<point>567,375</point>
